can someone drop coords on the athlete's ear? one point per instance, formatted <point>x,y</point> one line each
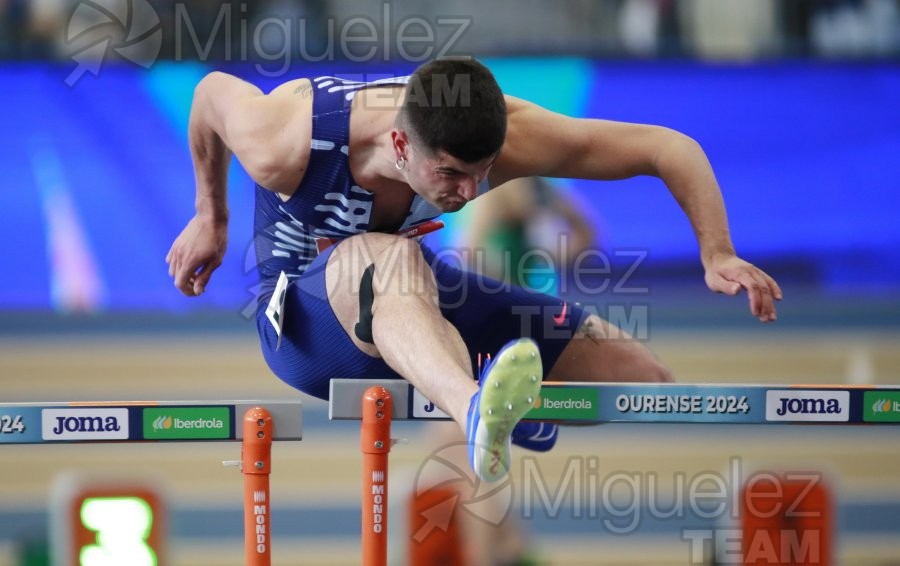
<point>401,143</point>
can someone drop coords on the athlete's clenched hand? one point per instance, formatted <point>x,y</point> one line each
<point>196,253</point>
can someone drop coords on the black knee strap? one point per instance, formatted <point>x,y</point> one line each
<point>363,328</point>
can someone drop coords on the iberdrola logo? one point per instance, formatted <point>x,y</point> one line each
<point>163,422</point>
<point>882,406</point>
<point>100,29</point>
<point>187,423</point>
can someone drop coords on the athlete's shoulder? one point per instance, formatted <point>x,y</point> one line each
<point>525,120</point>
<point>285,117</point>
<point>349,85</point>
<point>301,89</point>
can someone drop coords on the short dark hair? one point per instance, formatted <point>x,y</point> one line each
<point>455,105</point>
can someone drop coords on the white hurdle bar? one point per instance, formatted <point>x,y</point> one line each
<point>254,423</point>
<point>659,403</point>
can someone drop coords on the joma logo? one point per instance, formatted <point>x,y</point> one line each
<point>782,405</point>
<point>85,424</point>
<point>807,406</point>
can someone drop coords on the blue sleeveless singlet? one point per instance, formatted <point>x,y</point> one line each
<point>329,204</point>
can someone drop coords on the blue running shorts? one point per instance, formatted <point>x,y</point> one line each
<point>486,312</point>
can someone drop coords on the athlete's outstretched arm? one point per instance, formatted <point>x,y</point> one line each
<point>540,142</point>
<point>266,134</point>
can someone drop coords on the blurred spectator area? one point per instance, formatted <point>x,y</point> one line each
<point>717,29</point>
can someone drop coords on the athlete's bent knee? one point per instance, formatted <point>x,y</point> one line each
<point>658,373</point>
<point>399,248</point>
<point>402,263</point>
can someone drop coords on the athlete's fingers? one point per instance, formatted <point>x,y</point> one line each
<point>774,287</point>
<point>768,296</point>
<point>750,284</point>
<point>202,277</point>
<point>762,304</point>
<point>762,291</point>
<point>720,284</point>
<point>171,259</point>
<point>184,276</point>
<point>765,308</point>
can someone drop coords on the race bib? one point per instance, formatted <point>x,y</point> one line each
<point>275,308</point>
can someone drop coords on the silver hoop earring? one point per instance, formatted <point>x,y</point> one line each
<point>400,163</point>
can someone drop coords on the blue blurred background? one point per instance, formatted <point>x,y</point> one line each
<point>98,181</point>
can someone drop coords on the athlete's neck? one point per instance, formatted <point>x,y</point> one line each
<point>372,158</point>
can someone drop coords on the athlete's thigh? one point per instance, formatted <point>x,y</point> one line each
<point>383,256</point>
<point>575,345</point>
<point>489,313</point>
<point>313,347</point>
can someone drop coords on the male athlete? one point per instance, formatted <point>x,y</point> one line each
<point>358,163</point>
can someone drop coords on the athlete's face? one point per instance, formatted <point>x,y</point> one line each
<point>443,180</point>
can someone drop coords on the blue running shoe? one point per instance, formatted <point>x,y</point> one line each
<point>537,436</point>
<point>508,386</point>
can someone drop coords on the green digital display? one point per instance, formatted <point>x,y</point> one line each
<point>123,526</point>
